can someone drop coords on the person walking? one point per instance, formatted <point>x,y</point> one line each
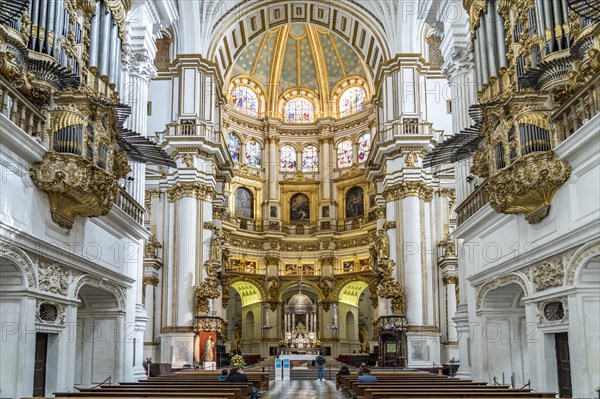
<point>320,364</point>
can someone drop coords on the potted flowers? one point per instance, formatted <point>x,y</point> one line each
<point>237,361</point>
<point>282,344</point>
<point>318,344</point>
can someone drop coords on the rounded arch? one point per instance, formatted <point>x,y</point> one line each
<point>580,259</point>
<point>363,144</point>
<point>87,280</point>
<point>255,86</point>
<point>249,325</point>
<point>294,284</point>
<point>501,282</point>
<point>299,207</point>
<point>288,157</point>
<point>254,288</point>
<point>343,86</point>
<point>349,20</point>
<point>244,202</point>
<point>23,262</point>
<point>344,151</point>
<point>303,94</point>
<point>350,293</point>
<point>351,333</point>
<point>234,145</point>
<point>310,158</point>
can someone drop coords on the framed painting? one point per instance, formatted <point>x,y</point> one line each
<point>299,208</point>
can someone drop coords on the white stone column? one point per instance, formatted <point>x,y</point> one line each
<point>273,168</point>
<point>413,265</point>
<point>450,283</point>
<point>187,213</point>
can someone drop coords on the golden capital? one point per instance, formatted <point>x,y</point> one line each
<point>409,189</point>
<point>190,189</point>
<point>150,280</point>
<point>450,280</point>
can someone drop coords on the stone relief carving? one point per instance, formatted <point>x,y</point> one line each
<point>548,274</point>
<point>53,278</point>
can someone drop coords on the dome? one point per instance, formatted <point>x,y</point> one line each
<point>299,59</point>
<point>300,303</point>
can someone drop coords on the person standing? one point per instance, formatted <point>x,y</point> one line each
<point>320,364</point>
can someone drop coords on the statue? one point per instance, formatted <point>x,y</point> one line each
<point>373,255</point>
<point>383,245</point>
<point>209,348</point>
<point>216,250</point>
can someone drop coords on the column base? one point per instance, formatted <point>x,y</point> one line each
<point>177,349</point>
<point>423,349</point>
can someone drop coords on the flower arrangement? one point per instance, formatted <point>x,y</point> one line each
<point>317,344</point>
<point>282,344</point>
<point>237,361</point>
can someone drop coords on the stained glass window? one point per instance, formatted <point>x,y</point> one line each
<point>344,153</point>
<point>364,146</point>
<point>245,100</point>
<point>288,158</point>
<point>235,146</point>
<point>299,110</point>
<point>253,153</point>
<point>310,159</point>
<point>351,101</point>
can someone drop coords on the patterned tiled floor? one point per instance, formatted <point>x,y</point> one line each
<point>302,389</point>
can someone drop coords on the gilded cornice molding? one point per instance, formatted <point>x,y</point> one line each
<point>190,189</point>
<point>409,189</point>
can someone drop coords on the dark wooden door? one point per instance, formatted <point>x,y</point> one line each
<point>39,372</point>
<point>563,362</point>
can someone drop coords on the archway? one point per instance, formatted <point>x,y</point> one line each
<point>354,299</point>
<point>100,327</point>
<point>504,334</point>
<point>244,313</point>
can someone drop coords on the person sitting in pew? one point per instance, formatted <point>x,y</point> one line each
<point>366,376</point>
<point>236,375</point>
<point>359,372</point>
<point>224,375</point>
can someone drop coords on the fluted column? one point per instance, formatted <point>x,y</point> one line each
<point>140,70</point>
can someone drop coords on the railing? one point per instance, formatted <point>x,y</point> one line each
<point>129,205</point>
<point>472,204</point>
<point>407,129</point>
<point>299,228</point>
<point>248,267</point>
<point>576,112</point>
<point>21,111</point>
<point>292,269</point>
<point>190,130</point>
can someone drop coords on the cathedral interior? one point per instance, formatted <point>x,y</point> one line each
<point>408,183</point>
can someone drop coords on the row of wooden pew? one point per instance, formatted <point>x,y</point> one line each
<point>183,385</point>
<point>422,385</point>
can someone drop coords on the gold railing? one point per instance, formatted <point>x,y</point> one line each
<point>353,267</point>
<point>248,267</point>
<point>129,205</point>
<point>291,269</point>
<point>472,204</point>
<point>578,110</point>
<point>21,111</point>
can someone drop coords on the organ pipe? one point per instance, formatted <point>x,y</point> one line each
<point>500,38</point>
<point>48,45</point>
<point>113,57</point>
<point>104,42</point>
<point>94,33</point>
<point>490,36</point>
<point>35,10</point>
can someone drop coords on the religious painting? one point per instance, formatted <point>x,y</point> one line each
<point>242,265</point>
<point>208,346</point>
<point>364,264</point>
<point>244,203</point>
<point>299,208</point>
<point>304,269</point>
<point>273,212</point>
<point>348,266</point>
<point>354,202</point>
<point>325,211</point>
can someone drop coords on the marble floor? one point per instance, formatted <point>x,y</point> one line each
<point>303,389</point>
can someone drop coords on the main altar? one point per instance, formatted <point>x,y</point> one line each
<point>300,324</point>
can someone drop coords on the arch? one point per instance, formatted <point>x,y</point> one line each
<point>287,158</point>
<point>254,288</point>
<point>350,293</point>
<point>249,325</point>
<point>299,208</point>
<point>345,153</point>
<point>310,158</point>
<point>245,100</point>
<point>580,259</point>
<point>355,202</point>
<point>244,203</point>
<point>101,284</point>
<point>22,261</point>
<point>253,153</point>
<point>256,88</point>
<point>349,20</point>
<point>352,100</point>
<point>346,84</point>
<point>589,273</point>
<point>299,110</point>
<point>234,145</point>
<point>500,282</point>
<point>506,296</point>
<point>294,284</point>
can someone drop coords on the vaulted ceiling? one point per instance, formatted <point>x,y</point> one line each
<point>298,55</point>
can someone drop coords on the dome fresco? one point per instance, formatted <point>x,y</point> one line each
<point>302,56</point>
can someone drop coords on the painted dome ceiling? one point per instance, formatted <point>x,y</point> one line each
<point>298,55</point>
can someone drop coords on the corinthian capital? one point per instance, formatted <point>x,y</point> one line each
<point>140,62</point>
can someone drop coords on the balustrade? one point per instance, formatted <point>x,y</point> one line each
<point>576,112</point>
<point>21,111</point>
<point>472,204</point>
<point>129,205</point>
